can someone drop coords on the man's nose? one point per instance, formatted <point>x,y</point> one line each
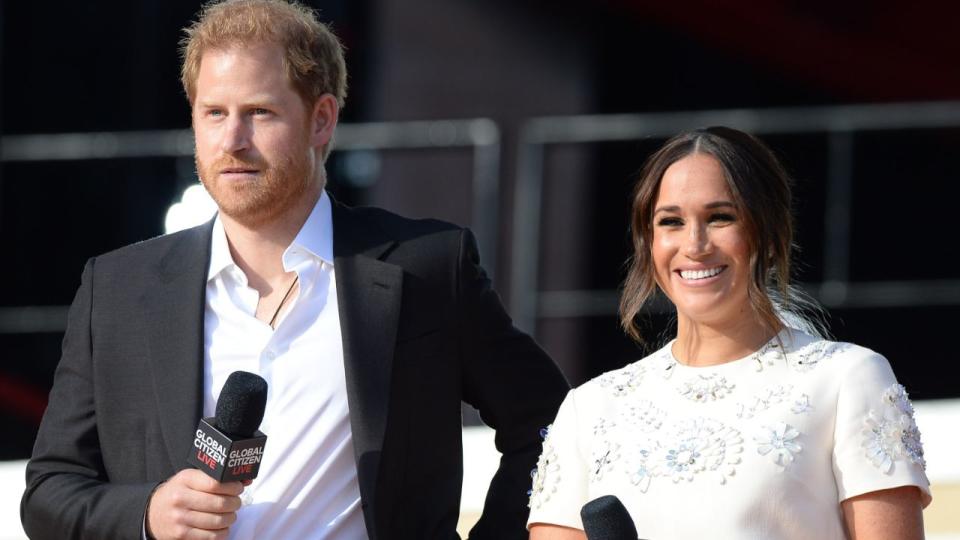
<point>236,135</point>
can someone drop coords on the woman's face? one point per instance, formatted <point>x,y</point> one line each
<point>700,249</point>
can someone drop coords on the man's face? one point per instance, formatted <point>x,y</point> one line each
<point>257,148</point>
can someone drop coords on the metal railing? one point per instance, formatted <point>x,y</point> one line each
<point>528,303</point>
<point>839,124</point>
<point>481,135</point>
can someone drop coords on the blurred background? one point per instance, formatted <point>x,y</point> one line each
<point>527,121</point>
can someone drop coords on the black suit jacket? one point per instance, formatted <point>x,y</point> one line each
<point>422,330</point>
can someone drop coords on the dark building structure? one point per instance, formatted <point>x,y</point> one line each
<point>111,67</point>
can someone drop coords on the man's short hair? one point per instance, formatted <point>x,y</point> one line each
<point>312,54</point>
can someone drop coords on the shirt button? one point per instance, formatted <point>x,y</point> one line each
<point>246,498</point>
<point>269,355</point>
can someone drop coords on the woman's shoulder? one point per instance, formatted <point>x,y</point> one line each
<point>624,380</point>
<point>806,352</point>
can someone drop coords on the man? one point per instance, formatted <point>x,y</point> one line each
<point>369,328</point>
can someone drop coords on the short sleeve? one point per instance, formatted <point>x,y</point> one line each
<point>560,479</point>
<point>876,441</point>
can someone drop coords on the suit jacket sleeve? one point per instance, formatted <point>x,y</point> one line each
<point>515,386</point>
<point>69,493</point>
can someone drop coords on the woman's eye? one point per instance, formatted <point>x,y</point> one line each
<point>723,218</point>
<point>670,222</point>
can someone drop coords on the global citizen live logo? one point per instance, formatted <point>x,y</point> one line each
<point>223,458</point>
<point>209,450</point>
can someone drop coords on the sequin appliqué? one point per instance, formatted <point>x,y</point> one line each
<point>547,474</point>
<point>763,400</point>
<point>704,388</point>
<point>604,458</point>
<point>662,362</point>
<point>602,426</point>
<point>644,416</point>
<point>809,356</point>
<point>779,441</point>
<point>623,381</point>
<point>767,355</point>
<point>801,404</point>
<point>699,446</point>
<point>639,467</point>
<point>891,434</point>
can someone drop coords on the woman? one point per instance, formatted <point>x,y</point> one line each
<point>744,426</point>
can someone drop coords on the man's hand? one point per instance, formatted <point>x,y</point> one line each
<point>194,506</point>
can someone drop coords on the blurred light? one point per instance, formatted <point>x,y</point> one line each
<point>195,207</point>
<point>360,168</point>
<point>833,293</point>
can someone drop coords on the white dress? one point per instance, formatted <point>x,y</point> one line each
<point>761,447</point>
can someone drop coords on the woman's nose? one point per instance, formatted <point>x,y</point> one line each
<point>697,242</point>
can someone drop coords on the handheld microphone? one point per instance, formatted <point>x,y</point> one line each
<point>229,446</point>
<point>605,518</point>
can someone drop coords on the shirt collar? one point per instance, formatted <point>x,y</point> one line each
<point>220,258</point>
<point>315,237</point>
<point>315,240</point>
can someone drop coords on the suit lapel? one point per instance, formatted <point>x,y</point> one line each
<point>368,295</point>
<point>175,306</point>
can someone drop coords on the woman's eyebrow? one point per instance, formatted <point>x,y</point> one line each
<point>720,204</point>
<point>709,206</point>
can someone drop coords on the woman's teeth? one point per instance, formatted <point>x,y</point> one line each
<point>701,274</point>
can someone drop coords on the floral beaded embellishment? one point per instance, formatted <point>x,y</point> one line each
<point>604,458</point>
<point>643,416</point>
<point>779,441</point>
<point>662,362</point>
<point>891,434</point>
<point>767,355</point>
<point>623,381</point>
<point>692,448</point>
<point>602,426</point>
<point>801,404</point>
<point>763,400</point>
<point>639,469</point>
<point>808,357</point>
<point>704,388</point>
<point>699,446</point>
<point>546,475</point>
<point>774,395</point>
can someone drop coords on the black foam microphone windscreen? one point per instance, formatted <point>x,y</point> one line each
<point>228,446</point>
<point>241,404</point>
<point>605,518</point>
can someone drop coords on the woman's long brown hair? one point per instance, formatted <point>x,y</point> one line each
<point>761,190</point>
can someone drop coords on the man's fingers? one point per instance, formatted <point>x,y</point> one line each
<point>210,522</point>
<point>199,481</point>
<point>200,534</point>
<point>192,505</point>
<point>212,503</point>
<point>230,488</point>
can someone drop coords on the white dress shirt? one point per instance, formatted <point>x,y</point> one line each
<point>307,485</point>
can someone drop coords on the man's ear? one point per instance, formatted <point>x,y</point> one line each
<point>323,120</point>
